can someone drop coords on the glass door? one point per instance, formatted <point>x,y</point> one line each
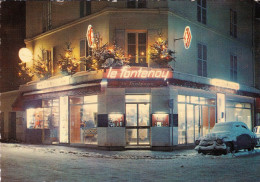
<point>137,124</point>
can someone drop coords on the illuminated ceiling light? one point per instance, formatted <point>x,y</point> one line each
<point>25,55</point>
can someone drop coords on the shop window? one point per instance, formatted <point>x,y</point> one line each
<point>202,60</point>
<point>233,23</point>
<point>116,120</point>
<point>236,111</point>
<point>76,100</point>
<point>160,120</point>
<point>83,119</point>
<point>233,68</point>
<point>34,118</point>
<point>137,48</point>
<point>90,99</point>
<point>202,11</point>
<point>181,98</point>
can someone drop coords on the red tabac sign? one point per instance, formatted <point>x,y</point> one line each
<point>138,73</point>
<point>187,37</point>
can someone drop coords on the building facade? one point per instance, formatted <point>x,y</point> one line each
<point>140,105</point>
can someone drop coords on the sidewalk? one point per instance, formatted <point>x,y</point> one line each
<point>97,153</point>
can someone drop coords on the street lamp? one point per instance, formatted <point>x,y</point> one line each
<point>25,55</point>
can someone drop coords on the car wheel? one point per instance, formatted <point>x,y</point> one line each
<point>199,151</point>
<point>229,148</point>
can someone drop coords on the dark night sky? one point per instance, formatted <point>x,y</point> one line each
<point>12,39</point>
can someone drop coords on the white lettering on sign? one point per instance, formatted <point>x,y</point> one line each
<point>127,73</point>
<point>54,82</point>
<point>224,83</point>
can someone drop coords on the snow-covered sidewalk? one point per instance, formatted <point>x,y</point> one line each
<point>128,154</point>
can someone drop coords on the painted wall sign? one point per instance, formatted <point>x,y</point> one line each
<point>138,73</point>
<point>54,82</point>
<point>224,83</point>
<point>187,37</point>
<point>90,36</point>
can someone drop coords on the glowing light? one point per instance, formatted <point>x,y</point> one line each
<point>90,36</point>
<point>135,72</point>
<point>187,37</point>
<point>142,53</point>
<point>25,55</point>
<point>225,84</point>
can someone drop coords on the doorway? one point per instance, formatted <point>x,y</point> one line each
<point>138,124</point>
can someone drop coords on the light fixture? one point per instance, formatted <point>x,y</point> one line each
<point>25,55</point>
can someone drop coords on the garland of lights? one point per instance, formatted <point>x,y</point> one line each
<point>25,74</point>
<point>67,63</point>
<point>105,56</point>
<point>160,54</point>
<point>41,67</point>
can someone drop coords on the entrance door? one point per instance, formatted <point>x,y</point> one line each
<point>137,124</point>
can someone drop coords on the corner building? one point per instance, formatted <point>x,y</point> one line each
<point>212,80</point>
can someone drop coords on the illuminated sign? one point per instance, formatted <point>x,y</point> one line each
<point>187,37</point>
<point>224,83</point>
<point>138,73</point>
<point>54,82</point>
<point>90,36</point>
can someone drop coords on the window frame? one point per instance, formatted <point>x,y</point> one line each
<point>233,23</point>
<point>201,10</point>
<point>233,67</point>
<point>137,46</point>
<point>202,61</point>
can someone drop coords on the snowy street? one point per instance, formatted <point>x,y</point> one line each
<point>28,163</point>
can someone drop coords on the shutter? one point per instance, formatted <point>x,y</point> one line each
<point>120,38</point>
<point>151,38</point>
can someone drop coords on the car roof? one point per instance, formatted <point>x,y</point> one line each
<point>231,123</point>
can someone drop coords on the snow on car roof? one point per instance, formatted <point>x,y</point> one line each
<point>231,123</point>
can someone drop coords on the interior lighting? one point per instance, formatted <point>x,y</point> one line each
<point>225,84</point>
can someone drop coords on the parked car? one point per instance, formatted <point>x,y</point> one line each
<point>227,137</point>
<point>257,132</point>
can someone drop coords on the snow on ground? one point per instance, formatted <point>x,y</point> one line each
<point>21,162</point>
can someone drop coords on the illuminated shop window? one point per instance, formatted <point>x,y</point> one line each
<point>115,120</point>
<point>137,48</point>
<point>238,111</point>
<point>83,119</point>
<point>35,118</point>
<point>196,117</point>
<point>160,120</point>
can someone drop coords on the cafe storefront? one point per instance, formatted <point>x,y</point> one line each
<point>128,107</point>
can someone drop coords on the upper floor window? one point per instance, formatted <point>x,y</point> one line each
<point>233,68</point>
<point>202,11</point>
<point>46,16</point>
<point>233,23</point>
<point>136,47</point>
<point>202,60</point>
<point>136,3</point>
<point>84,8</point>
<point>84,51</point>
